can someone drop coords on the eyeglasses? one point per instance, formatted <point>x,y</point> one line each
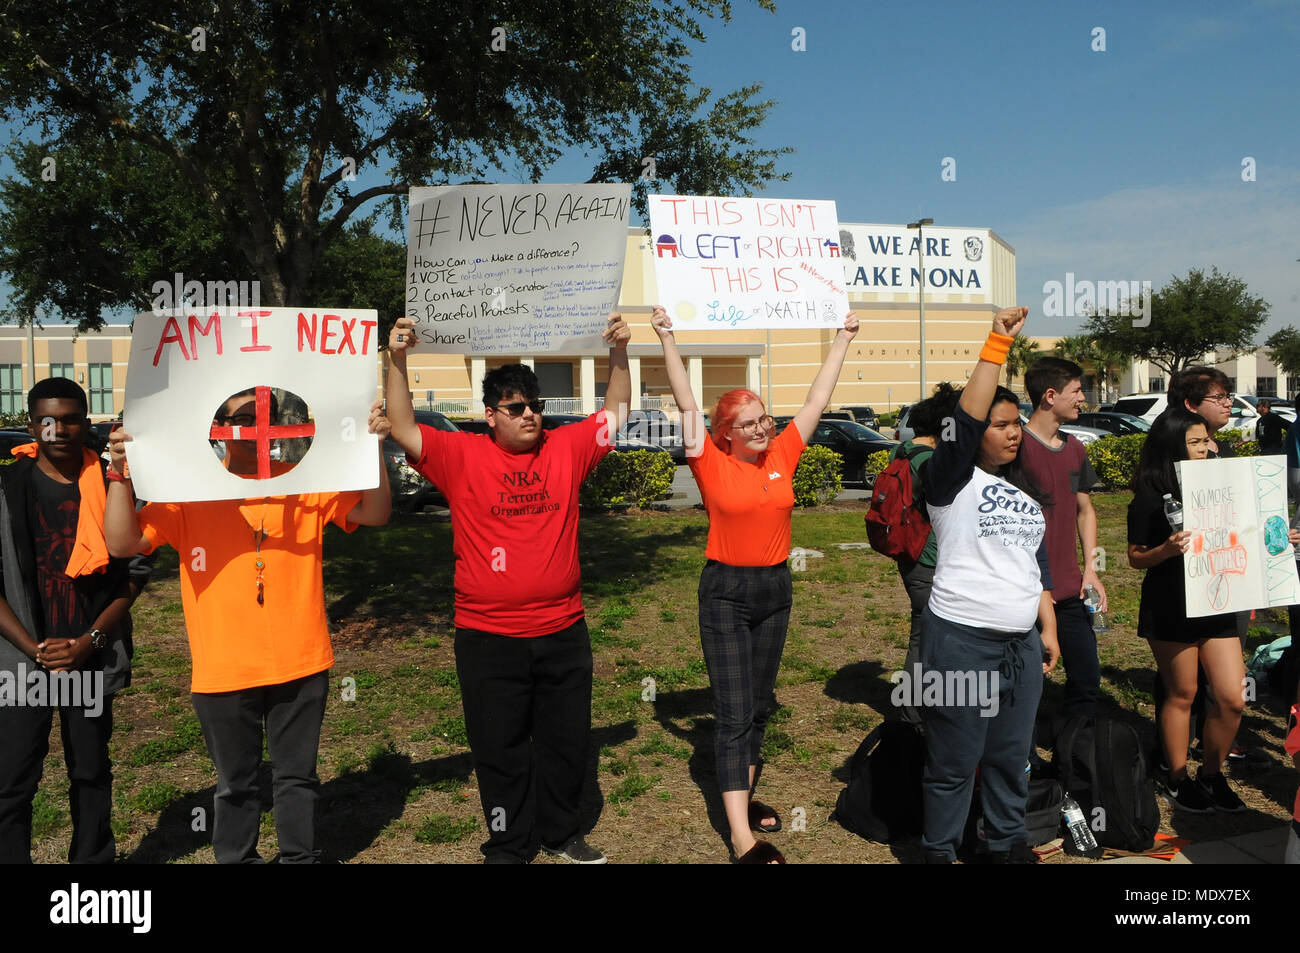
<point>758,426</point>
<point>516,408</point>
<point>238,420</point>
<point>1225,399</point>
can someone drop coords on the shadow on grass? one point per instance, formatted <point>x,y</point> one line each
<point>695,705</point>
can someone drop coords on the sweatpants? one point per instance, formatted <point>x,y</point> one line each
<point>959,738</point>
<point>528,718</point>
<point>917,580</point>
<point>744,615</point>
<point>232,724</point>
<point>24,743</point>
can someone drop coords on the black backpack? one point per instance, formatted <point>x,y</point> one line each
<point>1101,765</point>
<point>883,799</point>
<point>1284,676</point>
<point>1042,815</point>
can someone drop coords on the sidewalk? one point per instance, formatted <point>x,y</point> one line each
<point>1261,847</point>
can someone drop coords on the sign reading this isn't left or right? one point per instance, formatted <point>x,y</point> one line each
<point>747,263</point>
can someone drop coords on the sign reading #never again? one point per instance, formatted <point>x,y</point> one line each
<point>515,269</point>
<point>306,379</point>
<point>747,263</point>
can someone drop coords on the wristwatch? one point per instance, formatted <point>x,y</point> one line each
<point>98,638</point>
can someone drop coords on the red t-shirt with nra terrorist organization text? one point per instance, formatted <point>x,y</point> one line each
<point>515,520</point>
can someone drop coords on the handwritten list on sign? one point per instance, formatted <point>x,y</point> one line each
<point>515,269</point>
<point>745,262</point>
<point>1240,557</point>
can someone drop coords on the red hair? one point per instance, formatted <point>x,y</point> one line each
<point>725,412</point>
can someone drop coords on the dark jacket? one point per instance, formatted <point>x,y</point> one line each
<point>18,580</point>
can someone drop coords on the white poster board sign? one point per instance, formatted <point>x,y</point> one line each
<point>1240,557</point>
<point>184,365</point>
<point>515,269</point>
<point>747,262</point>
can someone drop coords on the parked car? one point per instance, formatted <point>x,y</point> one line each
<point>654,428</point>
<point>11,437</point>
<point>863,415</point>
<point>1150,406</point>
<point>1085,435</point>
<point>1120,425</point>
<point>1283,408</point>
<point>410,489</point>
<point>854,443</point>
<point>902,428</point>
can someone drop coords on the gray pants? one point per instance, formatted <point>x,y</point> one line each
<point>917,580</point>
<point>232,727</point>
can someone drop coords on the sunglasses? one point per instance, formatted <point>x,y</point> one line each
<point>516,408</point>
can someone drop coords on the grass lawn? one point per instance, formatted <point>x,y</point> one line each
<point>397,779</point>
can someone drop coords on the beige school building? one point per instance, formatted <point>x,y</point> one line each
<point>970,274</point>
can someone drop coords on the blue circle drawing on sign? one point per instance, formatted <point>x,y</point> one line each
<point>1275,533</point>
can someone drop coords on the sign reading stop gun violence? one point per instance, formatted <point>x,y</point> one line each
<point>320,365</point>
<point>515,269</point>
<point>1240,557</point>
<point>744,262</point>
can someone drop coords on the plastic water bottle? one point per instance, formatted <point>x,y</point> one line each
<point>1092,599</point>
<point>1174,513</point>
<point>1077,824</point>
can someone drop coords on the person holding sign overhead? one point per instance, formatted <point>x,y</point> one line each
<point>745,473</point>
<point>254,606</point>
<point>523,654</point>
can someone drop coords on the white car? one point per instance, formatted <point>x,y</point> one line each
<point>1150,406</point>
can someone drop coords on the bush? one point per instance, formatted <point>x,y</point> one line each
<point>817,478</point>
<point>629,479</point>
<point>877,462</point>
<point>1247,448</point>
<point>1115,459</point>
<point>887,420</point>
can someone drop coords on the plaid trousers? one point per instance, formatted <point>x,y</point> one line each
<point>744,613</point>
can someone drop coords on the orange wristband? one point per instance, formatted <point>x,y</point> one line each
<point>996,348</point>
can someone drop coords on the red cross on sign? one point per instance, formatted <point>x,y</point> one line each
<point>263,432</point>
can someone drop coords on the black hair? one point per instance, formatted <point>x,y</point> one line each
<point>56,388</point>
<point>1050,373</point>
<point>1191,384</point>
<point>1014,472</point>
<point>1166,443</point>
<point>252,392</point>
<point>927,417</point>
<point>510,379</point>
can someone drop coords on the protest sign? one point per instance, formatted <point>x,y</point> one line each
<point>515,269</point>
<point>886,260</point>
<point>749,263</point>
<point>1240,557</point>
<point>320,367</point>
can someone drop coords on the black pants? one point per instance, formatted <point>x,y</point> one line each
<point>1079,657</point>
<point>232,727</point>
<point>528,717</point>
<point>917,581</point>
<point>24,743</point>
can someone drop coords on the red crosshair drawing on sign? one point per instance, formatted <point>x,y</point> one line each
<point>263,432</point>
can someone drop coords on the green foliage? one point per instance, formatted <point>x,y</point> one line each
<point>253,144</point>
<point>187,737</point>
<point>628,479</point>
<point>1024,352</point>
<point>20,419</point>
<point>877,462</point>
<point>1115,459</point>
<point>817,478</point>
<point>887,420</point>
<point>1247,448</point>
<point>1283,349</point>
<point>1189,316</point>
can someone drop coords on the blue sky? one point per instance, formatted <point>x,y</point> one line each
<point>1117,165</point>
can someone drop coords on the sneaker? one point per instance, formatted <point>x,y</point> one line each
<point>578,851</point>
<point>1238,753</point>
<point>1189,796</point>
<point>1221,795</point>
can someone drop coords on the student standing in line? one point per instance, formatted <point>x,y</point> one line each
<point>63,614</point>
<point>1058,464</point>
<point>523,653</point>
<point>1181,645</point>
<point>989,587</point>
<point>255,615</point>
<point>745,477</point>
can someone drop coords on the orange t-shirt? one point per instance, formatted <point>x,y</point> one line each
<point>749,504</point>
<point>236,643</point>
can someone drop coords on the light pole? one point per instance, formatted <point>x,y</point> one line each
<point>919,225</point>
